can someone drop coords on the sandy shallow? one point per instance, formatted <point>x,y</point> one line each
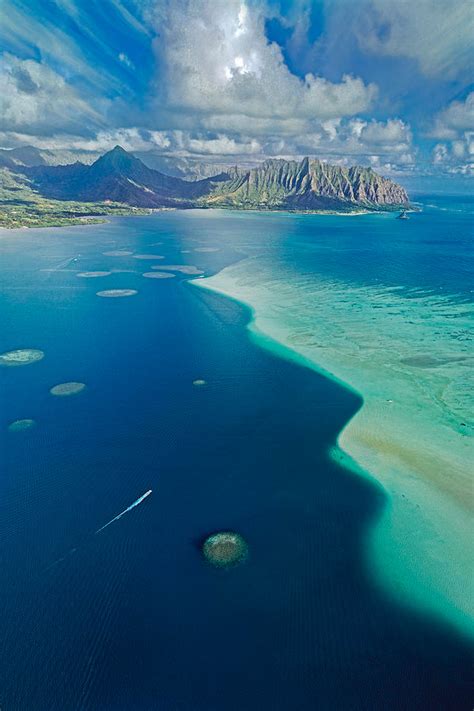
<point>116,293</point>
<point>181,268</point>
<point>412,362</point>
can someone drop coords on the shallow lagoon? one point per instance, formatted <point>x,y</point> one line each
<point>250,452</point>
<point>410,355</point>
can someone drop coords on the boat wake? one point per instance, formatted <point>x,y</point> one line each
<point>129,508</point>
<point>115,518</point>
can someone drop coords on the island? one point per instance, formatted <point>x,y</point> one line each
<point>118,183</point>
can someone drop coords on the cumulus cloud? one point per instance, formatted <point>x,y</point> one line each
<point>214,88</point>
<point>386,145</point>
<point>219,65</point>
<point>167,142</point>
<point>33,97</point>
<point>455,126</point>
<point>455,119</point>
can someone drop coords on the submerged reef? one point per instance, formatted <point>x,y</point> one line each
<point>91,275</point>
<point>116,293</point>
<point>117,253</point>
<point>71,388</point>
<point>182,268</point>
<point>158,275</point>
<point>225,549</point>
<point>23,356</point>
<point>199,382</point>
<point>21,425</point>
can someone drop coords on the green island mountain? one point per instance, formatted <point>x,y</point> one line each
<point>118,182</point>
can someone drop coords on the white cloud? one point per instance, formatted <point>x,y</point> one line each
<point>436,33</point>
<point>33,97</point>
<point>455,126</point>
<point>219,65</point>
<point>174,142</point>
<point>220,74</point>
<point>393,132</point>
<point>124,59</point>
<point>455,119</point>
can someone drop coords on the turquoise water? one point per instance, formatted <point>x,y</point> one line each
<point>132,617</point>
<point>385,307</point>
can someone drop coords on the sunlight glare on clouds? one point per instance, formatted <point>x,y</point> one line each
<point>374,82</point>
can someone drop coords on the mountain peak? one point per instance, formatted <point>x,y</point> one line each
<point>305,184</point>
<point>118,150</point>
<point>118,153</point>
<point>118,159</point>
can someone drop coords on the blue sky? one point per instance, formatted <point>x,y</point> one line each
<point>386,83</point>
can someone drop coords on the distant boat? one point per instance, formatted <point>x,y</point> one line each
<point>403,216</point>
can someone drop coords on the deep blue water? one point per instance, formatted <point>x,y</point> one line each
<point>134,619</point>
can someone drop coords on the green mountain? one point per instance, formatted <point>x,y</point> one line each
<point>120,177</point>
<point>21,205</point>
<point>117,176</point>
<point>307,185</point>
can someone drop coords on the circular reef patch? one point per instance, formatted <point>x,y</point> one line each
<point>67,389</point>
<point>225,549</point>
<point>23,356</point>
<point>21,425</point>
<point>116,293</point>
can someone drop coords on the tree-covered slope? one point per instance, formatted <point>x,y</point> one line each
<point>119,176</point>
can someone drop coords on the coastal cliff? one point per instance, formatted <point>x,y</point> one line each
<point>306,185</point>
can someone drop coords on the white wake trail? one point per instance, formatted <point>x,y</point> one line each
<point>129,508</point>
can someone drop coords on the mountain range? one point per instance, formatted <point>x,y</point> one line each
<point>119,176</point>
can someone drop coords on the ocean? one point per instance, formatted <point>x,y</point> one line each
<point>132,617</point>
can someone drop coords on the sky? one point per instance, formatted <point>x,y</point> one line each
<point>386,83</point>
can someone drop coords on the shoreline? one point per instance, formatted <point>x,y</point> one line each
<point>91,220</point>
<point>413,551</point>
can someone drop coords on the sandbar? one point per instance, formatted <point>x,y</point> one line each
<point>409,358</point>
<point>182,268</point>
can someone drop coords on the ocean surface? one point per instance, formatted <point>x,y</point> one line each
<point>131,617</point>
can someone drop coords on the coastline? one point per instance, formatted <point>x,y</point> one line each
<point>131,211</point>
<point>416,550</point>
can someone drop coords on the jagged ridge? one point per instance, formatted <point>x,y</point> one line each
<point>307,184</point>
<point>276,184</point>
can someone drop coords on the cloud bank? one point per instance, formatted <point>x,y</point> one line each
<point>241,80</point>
